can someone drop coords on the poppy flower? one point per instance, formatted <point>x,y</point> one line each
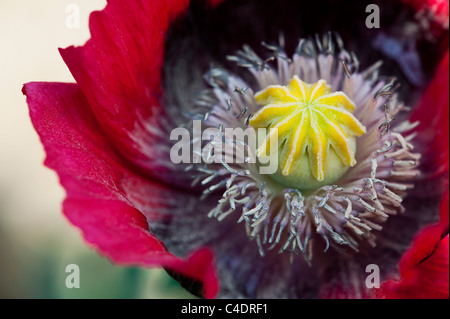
<point>360,176</point>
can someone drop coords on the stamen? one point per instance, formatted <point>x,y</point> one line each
<point>242,113</point>
<point>347,72</point>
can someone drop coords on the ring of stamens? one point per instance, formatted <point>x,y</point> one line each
<point>342,214</point>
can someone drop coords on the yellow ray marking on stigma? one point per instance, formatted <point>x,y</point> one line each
<point>339,140</point>
<point>271,112</point>
<point>280,128</point>
<point>319,89</point>
<point>275,94</point>
<point>309,118</point>
<point>345,118</point>
<point>318,151</point>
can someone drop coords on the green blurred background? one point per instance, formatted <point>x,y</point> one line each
<point>36,242</point>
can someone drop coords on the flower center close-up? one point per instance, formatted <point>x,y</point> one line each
<point>342,166</point>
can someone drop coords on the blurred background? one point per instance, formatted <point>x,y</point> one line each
<point>36,241</point>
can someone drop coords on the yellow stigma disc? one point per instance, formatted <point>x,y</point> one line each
<point>313,125</point>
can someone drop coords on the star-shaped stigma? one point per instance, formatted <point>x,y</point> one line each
<point>308,118</point>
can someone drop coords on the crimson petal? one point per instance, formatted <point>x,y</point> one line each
<point>119,72</point>
<point>433,114</point>
<point>110,204</point>
<point>439,8</point>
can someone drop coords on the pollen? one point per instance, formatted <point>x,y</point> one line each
<point>315,128</point>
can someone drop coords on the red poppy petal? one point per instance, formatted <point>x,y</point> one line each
<point>438,6</point>
<point>424,269</point>
<point>104,199</point>
<point>344,289</point>
<point>428,239</point>
<point>119,70</point>
<point>444,217</point>
<point>175,7</point>
<point>433,114</point>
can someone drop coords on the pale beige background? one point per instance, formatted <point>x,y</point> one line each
<point>32,229</point>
